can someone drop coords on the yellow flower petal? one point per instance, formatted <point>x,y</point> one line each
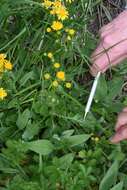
<point>3,93</point>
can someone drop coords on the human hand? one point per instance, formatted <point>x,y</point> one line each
<point>121,127</point>
<point>113,45</point>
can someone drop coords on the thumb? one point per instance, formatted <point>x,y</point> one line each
<point>121,134</point>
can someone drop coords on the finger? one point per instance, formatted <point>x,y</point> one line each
<point>125,109</point>
<point>116,62</point>
<point>105,31</point>
<point>102,66</point>
<point>120,135</point>
<point>122,120</point>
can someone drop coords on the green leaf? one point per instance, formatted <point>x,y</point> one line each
<point>26,77</point>
<point>31,130</point>
<point>114,88</point>
<point>76,139</point>
<point>43,147</point>
<point>68,133</point>
<point>119,186</point>
<point>65,161</point>
<point>110,177</point>
<point>102,89</point>
<point>23,119</point>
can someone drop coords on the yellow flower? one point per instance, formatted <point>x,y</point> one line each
<point>2,56</point>
<point>55,83</point>
<point>56,25</point>
<point>71,32</point>
<point>62,13</point>
<point>3,93</point>
<point>57,65</point>
<point>50,55</point>
<point>47,76</point>
<point>60,75</point>
<point>49,29</point>
<point>47,3</point>
<point>68,85</point>
<point>57,4</point>
<point>1,66</point>
<point>96,139</point>
<point>53,12</point>
<point>7,65</point>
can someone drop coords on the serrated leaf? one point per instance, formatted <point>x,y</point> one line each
<point>110,177</point>
<point>43,147</point>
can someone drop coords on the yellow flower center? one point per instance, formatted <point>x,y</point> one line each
<point>68,85</point>
<point>60,75</point>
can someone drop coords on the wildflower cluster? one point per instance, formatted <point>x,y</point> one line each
<point>4,66</point>
<point>60,75</point>
<point>59,13</point>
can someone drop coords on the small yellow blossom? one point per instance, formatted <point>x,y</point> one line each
<point>57,65</point>
<point>68,85</point>
<point>3,93</point>
<point>62,13</point>
<point>96,139</point>
<point>2,56</point>
<point>47,76</point>
<point>57,4</point>
<point>56,25</point>
<point>71,32</point>
<point>49,29</point>
<point>55,83</point>
<point>47,3</point>
<point>7,65</point>
<point>66,30</point>
<point>60,75</point>
<point>50,55</point>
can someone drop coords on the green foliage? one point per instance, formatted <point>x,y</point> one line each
<point>45,143</point>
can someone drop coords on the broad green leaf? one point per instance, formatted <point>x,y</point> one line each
<point>114,88</point>
<point>76,139</point>
<point>68,133</point>
<point>65,161</point>
<point>43,147</point>
<point>110,178</point>
<point>119,186</point>
<point>23,119</point>
<point>31,130</point>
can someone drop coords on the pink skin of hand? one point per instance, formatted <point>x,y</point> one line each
<point>113,45</point>
<point>121,127</point>
<point>111,51</point>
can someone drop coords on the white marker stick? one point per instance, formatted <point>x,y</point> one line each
<point>92,93</point>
